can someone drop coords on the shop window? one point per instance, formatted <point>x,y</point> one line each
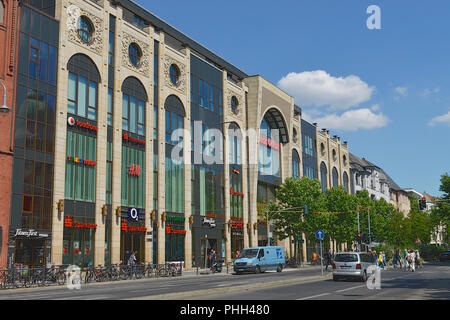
<point>295,165</point>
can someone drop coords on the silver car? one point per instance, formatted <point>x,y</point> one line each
<point>351,265</point>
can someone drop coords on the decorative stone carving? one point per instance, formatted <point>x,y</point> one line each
<point>181,84</point>
<point>96,43</point>
<point>144,63</point>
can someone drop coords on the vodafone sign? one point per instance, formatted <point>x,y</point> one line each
<point>72,122</point>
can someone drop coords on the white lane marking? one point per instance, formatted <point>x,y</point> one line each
<point>343,290</point>
<point>316,296</point>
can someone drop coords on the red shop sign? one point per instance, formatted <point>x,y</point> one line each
<point>269,143</point>
<point>135,170</point>
<point>127,137</point>
<point>69,223</point>
<point>233,193</point>
<point>171,230</point>
<point>71,121</point>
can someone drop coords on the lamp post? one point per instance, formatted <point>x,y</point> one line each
<point>4,108</point>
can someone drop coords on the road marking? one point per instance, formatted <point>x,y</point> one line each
<point>316,296</point>
<point>343,290</point>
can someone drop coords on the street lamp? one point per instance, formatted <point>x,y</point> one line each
<point>4,108</point>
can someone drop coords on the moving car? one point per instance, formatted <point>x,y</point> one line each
<point>351,265</point>
<point>444,256</point>
<point>260,259</point>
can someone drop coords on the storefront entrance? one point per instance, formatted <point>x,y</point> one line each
<point>30,253</point>
<point>132,242</point>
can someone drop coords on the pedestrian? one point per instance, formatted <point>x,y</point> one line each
<point>213,260</point>
<point>132,262</point>
<point>412,261</point>
<point>384,259</point>
<point>405,256</point>
<point>329,259</point>
<point>374,257</point>
<point>380,261</point>
<point>237,254</point>
<point>314,258</point>
<point>418,261</point>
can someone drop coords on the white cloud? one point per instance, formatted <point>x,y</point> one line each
<point>445,118</point>
<point>318,88</point>
<point>353,120</point>
<point>428,92</point>
<point>375,107</point>
<point>402,91</point>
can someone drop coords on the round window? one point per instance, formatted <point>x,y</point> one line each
<point>85,29</point>
<point>174,74</point>
<point>234,105</point>
<point>135,54</point>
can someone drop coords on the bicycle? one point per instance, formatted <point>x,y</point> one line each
<point>96,274</point>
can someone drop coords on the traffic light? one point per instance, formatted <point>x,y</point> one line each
<point>422,204</point>
<point>357,237</point>
<point>305,210</point>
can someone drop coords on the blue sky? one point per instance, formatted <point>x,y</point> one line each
<point>377,89</point>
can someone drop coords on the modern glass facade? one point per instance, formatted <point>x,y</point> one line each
<point>34,136</point>
<point>309,150</point>
<point>208,179</point>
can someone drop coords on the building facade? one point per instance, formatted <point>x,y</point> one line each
<point>9,23</point>
<point>132,137</point>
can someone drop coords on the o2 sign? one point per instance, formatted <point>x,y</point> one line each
<point>133,214</point>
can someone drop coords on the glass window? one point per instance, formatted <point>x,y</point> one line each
<point>174,74</point>
<point>43,61</point>
<point>85,29</point>
<point>135,54</point>
<point>133,106</point>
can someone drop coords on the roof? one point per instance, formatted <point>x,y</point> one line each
<point>170,30</point>
<point>362,165</point>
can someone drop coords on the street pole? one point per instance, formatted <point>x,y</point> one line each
<point>359,231</point>
<point>368,216</point>
<point>321,259</point>
<point>268,238</point>
<point>206,251</point>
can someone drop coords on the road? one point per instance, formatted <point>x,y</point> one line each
<point>432,282</point>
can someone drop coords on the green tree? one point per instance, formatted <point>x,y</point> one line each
<point>440,214</point>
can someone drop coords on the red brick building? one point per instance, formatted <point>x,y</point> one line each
<point>9,24</point>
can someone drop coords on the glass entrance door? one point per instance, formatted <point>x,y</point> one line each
<point>31,253</point>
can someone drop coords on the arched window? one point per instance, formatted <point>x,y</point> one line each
<point>345,181</point>
<point>323,176</point>
<point>335,177</point>
<point>272,133</point>
<point>234,145</point>
<point>134,98</point>
<point>295,164</point>
<point>84,80</point>
<point>135,54</point>
<point>85,29</point>
<point>174,117</point>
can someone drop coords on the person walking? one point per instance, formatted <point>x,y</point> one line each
<point>395,258</point>
<point>405,256</point>
<point>384,259</point>
<point>329,259</point>
<point>213,261</point>
<point>413,261</point>
<point>132,263</point>
<point>380,261</point>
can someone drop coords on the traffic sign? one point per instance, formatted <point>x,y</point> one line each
<point>320,234</point>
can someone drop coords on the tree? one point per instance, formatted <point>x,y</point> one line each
<point>440,214</point>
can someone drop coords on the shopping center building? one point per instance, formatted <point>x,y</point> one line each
<point>130,136</point>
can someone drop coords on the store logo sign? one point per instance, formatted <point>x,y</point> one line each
<point>171,230</point>
<point>81,161</point>
<point>135,170</point>
<point>128,138</point>
<point>30,234</point>
<point>209,222</point>
<point>234,193</point>
<point>72,122</point>
<point>269,143</point>
<point>133,214</point>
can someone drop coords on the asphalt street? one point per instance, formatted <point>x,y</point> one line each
<point>431,282</point>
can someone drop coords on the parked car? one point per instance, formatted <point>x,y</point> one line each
<point>444,256</point>
<point>260,259</point>
<point>351,265</point>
